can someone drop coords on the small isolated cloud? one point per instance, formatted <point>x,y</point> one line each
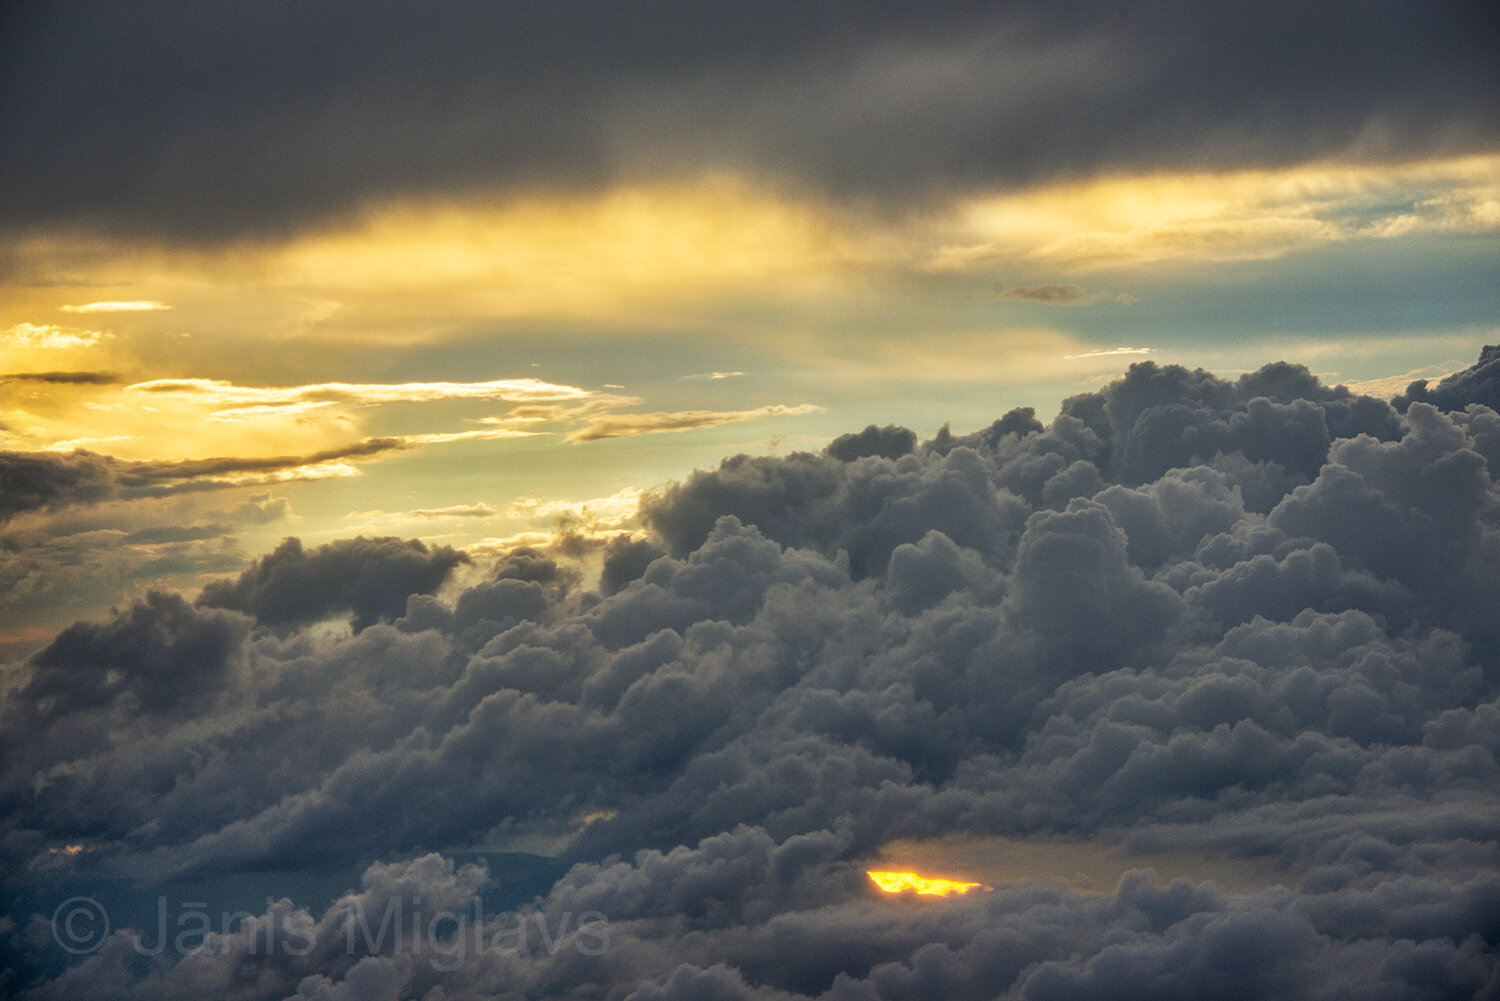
<point>49,335</point>
<point>1111,353</point>
<point>628,425</point>
<point>714,375</point>
<point>1064,295</point>
<point>116,306</point>
<point>263,509</point>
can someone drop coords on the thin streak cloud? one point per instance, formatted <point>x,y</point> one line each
<point>63,378</point>
<point>629,425</point>
<point>221,392</point>
<point>1111,353</point>
<point>118,306</point>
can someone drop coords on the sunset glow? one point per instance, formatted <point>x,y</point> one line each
<point>537,499</point>
<point>927,886</point>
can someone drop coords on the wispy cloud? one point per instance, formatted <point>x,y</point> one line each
<point>118,306</point>
<point>1243,215</point>
<point>49,335</point>
<point>611,511</point>
<point>1111,353</point>
<point>478,510</point>
<point>239,402</point>
<point>629,425</point>
<point>1388,386</point>
<point>714,375</point>
<point>63,378</point>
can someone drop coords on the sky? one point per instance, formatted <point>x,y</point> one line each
<point>431,459</point>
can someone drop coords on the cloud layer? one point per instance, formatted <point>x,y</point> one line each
<point>199,123</point>
<point>1246,620</point>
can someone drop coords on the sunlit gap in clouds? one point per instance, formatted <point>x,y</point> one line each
<point>927,886</point>
<point>1081,865</point>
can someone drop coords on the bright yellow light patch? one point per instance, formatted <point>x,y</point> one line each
<point>572,256</point>
<point>1231,216</point>
<point>897,882</point>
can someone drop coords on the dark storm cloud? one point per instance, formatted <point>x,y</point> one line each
<point>1235,621</point>
<point>201,122</point>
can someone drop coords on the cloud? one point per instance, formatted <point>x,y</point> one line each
<point>51,480</point>
<point>613,510</point>
<point>890,442</point>
<point>372,578</point>
<point>1479,383</point>
<point>454,511</point>
<point>63,378</point>
<point>1051,295</point>
<point>1111,353</point>
<point>51,336</point>
<point>900,104</point>
<point>118,306</point>
<point>35,481</point>
<point>1063,295</point>
<point>1235,631</point>
<point>245,401</point>
<point>629,425</point>
<point>1254,213</point>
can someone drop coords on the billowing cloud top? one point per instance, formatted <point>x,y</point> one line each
<point>203,122</point>
<point>1239,631</point>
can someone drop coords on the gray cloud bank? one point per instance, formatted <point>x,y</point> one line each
<point>1250,619</point>
<point>196,121</point>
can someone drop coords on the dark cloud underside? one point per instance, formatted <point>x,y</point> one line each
<point>209,121</point>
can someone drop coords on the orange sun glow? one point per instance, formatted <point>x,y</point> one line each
<point>895,882</point>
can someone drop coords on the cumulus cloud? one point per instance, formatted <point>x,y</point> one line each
<point>1479,383</point>
<point>1237,631</point>
<point>372,578</point>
